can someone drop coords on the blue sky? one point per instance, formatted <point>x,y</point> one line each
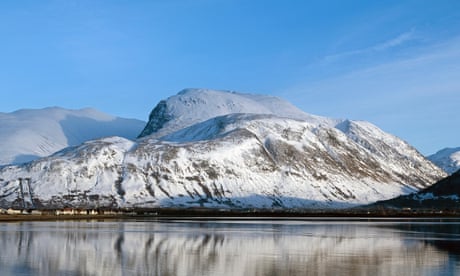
<point>393,63</point>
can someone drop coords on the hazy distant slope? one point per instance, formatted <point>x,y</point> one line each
<point>31,133</point>
<point>447,159</point>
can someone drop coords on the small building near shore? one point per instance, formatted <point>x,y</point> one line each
<point>11,211</point>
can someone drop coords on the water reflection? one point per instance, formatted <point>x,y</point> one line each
<point>230,247</point>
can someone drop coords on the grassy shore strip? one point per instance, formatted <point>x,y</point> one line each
<point>204,213</point>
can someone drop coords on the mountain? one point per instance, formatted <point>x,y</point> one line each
<point>447,159</point>
<point>28,134</point>
<point>444,194</point>
<point>206,148</point>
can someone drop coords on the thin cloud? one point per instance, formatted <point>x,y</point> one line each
<point>400,39</point>
<point>385,45</point>
<point>435,66</point>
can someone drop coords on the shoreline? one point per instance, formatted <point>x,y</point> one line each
<point>204,214</point>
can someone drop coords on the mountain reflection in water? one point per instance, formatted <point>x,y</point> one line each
<point>231,247</point>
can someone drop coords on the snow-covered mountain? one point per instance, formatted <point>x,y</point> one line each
<point>224,149</point>
<point>28,134</point>
<point>447,159</point>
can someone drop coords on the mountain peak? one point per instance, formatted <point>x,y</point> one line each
<point>193,105</point>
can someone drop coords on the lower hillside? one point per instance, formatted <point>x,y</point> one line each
<point>445,194</point>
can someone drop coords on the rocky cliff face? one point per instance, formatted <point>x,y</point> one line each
<point>279,157</point>
<point>157,119</point>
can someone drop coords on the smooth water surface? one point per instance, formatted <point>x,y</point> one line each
<point>232,247</point>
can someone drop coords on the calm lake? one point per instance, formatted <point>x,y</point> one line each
<point>232,247</point>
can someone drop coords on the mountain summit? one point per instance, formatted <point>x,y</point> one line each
<point>191,106</point>
<point>228,150</point>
